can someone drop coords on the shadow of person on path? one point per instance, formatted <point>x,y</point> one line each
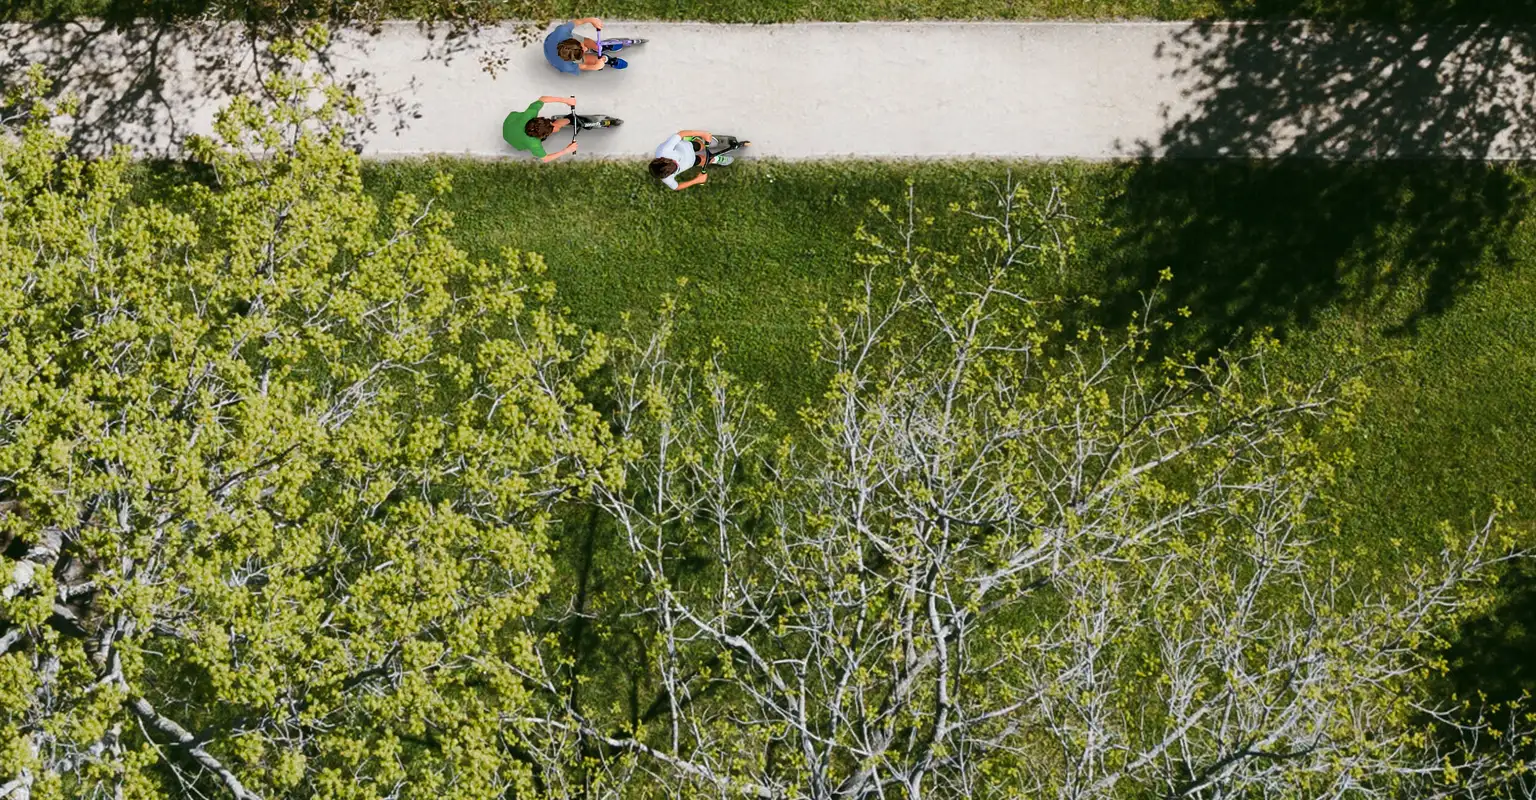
<point>1254,244</point>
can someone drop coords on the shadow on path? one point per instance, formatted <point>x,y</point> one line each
<point>1269,244</point>
<point>137,77</point>
<point>141,68</point>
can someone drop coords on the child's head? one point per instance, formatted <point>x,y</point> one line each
<point>539,128</point>
<point>662,167</point>
<point>570,50</point>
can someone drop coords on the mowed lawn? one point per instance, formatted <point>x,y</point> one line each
<point>1422,275</point>
<point>853,10</point>
<point>850,10</point>
<point>1429,11</point>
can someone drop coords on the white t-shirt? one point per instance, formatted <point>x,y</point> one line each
<point>680,150</point>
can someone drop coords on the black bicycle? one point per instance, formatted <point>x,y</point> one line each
<point>587,122</point>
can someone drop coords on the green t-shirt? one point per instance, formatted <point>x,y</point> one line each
<point>512,129</point>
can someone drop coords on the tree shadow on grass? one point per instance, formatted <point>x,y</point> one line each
<point>1256,245</point>
<point>1372,191</point>
<point>1492,672</point>
<point>1314,168</point>
<point>1494,655</point>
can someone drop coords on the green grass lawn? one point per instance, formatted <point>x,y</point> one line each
<point>849,10</point>
<point>1510,11</point>
<point>841,10</point>
<point>1428,271</point>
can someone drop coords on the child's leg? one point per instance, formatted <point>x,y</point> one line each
<point>721,146</point>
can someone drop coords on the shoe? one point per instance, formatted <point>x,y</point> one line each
<point>617,63</point>
<point>721,160</point>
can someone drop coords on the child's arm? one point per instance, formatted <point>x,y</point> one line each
<point>588,60</point>
<point>569,149</point>
<point>694,181</point>
<point>569,101</point>
<point>705,135</point>
<point>593,21</point>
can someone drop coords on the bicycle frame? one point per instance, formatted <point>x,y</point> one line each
<point>593,121</point>
<point>576,126</point>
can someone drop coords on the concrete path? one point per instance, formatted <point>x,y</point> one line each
<point>918,90</point>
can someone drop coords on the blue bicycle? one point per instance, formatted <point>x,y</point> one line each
<point>567,51</point>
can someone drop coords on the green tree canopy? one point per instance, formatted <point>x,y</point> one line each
<point>275,464</point>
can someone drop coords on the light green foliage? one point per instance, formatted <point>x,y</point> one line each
<point>1007,556</point>
<point>275,463</point>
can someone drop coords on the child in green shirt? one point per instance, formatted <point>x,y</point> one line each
<point>526,130</point>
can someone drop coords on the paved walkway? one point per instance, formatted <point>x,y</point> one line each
<point>919,90</point>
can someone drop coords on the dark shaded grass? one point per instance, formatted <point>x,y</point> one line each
<point>763,246</point>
